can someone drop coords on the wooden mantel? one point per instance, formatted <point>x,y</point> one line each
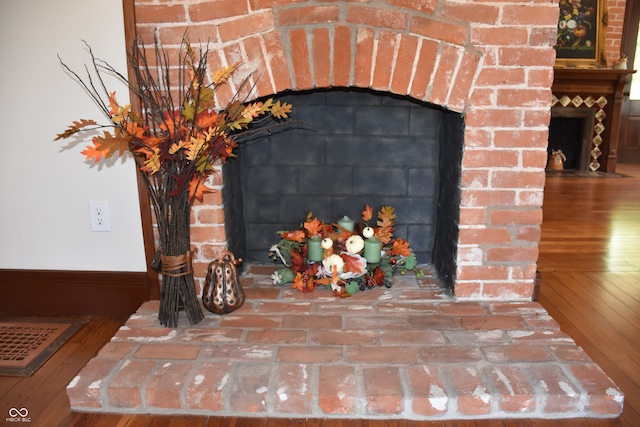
<point>597,82</point>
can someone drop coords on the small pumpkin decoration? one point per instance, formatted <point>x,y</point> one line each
<point>333,263</point>
<point>223,292</point>
<point>354,244</point>
<point>557,160</point>
<point>326,243</point>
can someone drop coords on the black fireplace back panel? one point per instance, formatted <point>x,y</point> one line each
<point>344,149</point>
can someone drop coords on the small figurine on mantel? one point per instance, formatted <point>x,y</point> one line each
<point>620,63</point>
<point>557,160</point>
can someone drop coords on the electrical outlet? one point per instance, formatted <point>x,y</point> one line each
<point>99,215</point>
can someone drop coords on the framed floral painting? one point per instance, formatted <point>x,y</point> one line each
<point>581,34</point>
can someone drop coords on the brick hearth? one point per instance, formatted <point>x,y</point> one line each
<point>408,352</point>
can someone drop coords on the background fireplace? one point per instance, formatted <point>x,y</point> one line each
<point>571,130</point>
<point>345,149</point>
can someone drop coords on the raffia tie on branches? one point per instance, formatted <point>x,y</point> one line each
<point>172,265</point>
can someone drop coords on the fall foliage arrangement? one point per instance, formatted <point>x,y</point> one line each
<point>176,135</point>
<point>343,256</point>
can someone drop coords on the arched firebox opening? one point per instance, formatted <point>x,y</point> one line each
<point>343,150</point>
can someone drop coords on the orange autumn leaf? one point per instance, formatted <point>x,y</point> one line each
<point>146,152</point>
<point>297,261</point>
<point>75,128</point>
<point>343,233</point>
<point>173,123</point>
<point>327,230</point>
<point>295,236</point>
<point>342,293</point>
<point>378,276</point>
<point>228,150</point>
<point>206,99</point>
<point>303,282</point>
<point>313,227</point>
<point>222,147</point>
<point>118,114</point>
<point>386,215</point>
<point>149,144</point>
<point>197,189</point>
<point>135,130</point>
<point>367,213</point>
<point>222,74</point>
<point>110,144</point>
<point>281,110</point>
<point>253,110</point>
<point>113,104</point>
<point>207,119</point>
<point>384,235</point>
<point>194,147</point>
<point>94,152</point>
<point>324,281</point>
<point>400,247</point>
<point>299,283</point>
<point>312,270</point>
<point>152,164</point>
<point>351,264</point>
<point>176,146</point>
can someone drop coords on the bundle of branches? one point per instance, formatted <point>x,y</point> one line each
<point>176,136</point>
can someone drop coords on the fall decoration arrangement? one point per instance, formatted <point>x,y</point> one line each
<point>176,137</point>
<point>342,256</point>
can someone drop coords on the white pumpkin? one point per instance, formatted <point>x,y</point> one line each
<point>333,263</point>
<point>326,243</point>
<point>368,232</point>
<point>354,244</point>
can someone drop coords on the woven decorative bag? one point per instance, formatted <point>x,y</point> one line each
<point>222,292</point>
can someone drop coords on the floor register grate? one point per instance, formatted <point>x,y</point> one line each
<point>26,345</point>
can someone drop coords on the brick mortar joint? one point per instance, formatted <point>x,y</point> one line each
<point>105,383</point>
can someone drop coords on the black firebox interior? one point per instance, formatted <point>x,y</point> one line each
<point>345,149</point>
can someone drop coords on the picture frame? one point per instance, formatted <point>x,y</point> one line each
<point>582,26</point>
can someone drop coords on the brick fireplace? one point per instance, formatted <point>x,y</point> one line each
<point>411,351</point>
<point>490,63</point>
<point>571,131</point>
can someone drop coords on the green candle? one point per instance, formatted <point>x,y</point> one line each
<point>314,249</point>
<point>372,250</point>
<point>346,223</point>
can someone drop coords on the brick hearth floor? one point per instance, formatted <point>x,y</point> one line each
<point>407,352</point>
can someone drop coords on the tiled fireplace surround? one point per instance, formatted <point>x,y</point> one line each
<point>408,352</point>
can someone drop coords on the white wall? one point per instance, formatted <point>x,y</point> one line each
<point>45,188</point>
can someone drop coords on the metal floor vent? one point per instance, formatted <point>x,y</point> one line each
<point>26,345</point>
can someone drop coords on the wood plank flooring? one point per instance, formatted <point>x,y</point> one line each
<point>590,266</point>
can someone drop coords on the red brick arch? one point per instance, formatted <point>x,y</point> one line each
<point>408,49</point>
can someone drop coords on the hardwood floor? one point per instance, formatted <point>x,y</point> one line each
<point>590,266</point>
